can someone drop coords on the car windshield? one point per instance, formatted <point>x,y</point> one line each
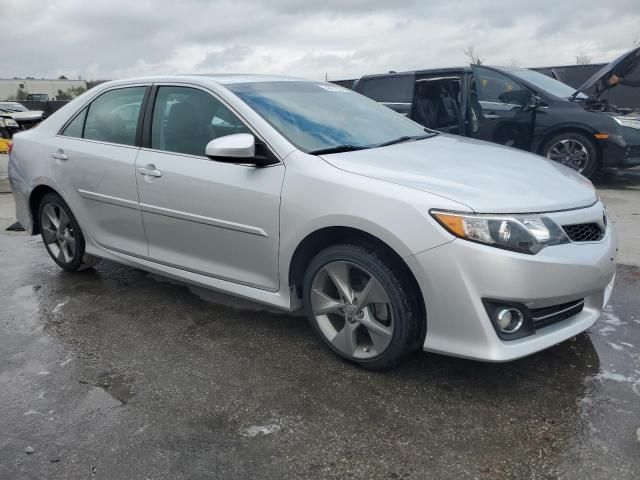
<point>317,116</point>
<point>548,84</point>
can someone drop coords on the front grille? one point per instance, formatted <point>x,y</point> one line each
<point>543,317</point>
<point>584,232</point>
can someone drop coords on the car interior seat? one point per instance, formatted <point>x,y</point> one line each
<point>185,130</point>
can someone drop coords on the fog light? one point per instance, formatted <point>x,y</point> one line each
<point>509,320</point>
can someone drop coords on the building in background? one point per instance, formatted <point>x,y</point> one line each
<point>21,88</point>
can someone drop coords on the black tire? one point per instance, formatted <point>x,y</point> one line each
<point>592,164</point>
<point>408,317</point>
<point>79,259</point>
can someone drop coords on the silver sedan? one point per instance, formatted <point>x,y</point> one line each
<point>299,193</point>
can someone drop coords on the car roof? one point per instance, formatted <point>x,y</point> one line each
<point>227,78</point>
<point>220,78</point>
<point>432,71</point>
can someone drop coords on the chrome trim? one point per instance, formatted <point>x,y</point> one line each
<point>200,157</point>
<point>99,197</point>
<point>540,212</point>
<point>192,217</point>
<point>101,142</point>
<point>559,312</point>
<point>518,325</point>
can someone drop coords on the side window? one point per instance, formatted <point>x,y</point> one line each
<point>389,89</point>
<point>186,119</point>
<point>498,88</point>
<point>113,116</point>
<point>76,127</point>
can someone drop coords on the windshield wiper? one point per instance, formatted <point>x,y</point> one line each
<point>406,138</point>
<point>338,149</point>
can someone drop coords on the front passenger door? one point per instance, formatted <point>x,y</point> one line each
<point>205,216</point>
<point>505,116</point>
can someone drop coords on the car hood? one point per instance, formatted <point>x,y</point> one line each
<point>30,115</point>
<point>621,66</point>
<point>486,177</point>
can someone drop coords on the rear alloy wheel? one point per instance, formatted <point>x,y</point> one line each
<point>574,150</point>
<point>361,307</point>
<point>62,236</point>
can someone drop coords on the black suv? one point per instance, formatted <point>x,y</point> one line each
<point>520,108</point>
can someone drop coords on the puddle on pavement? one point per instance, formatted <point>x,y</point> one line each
<point>116,386</point>
<point>26,298</point>
<point>96,399</point>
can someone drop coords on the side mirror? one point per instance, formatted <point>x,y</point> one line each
<point>534,102</point>
<point>236,148</point>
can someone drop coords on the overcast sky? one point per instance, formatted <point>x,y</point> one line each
<point>107,39</point>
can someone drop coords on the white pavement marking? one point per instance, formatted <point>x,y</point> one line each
<point>255,430</point>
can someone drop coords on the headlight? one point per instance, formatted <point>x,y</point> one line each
<point>520,233</point>
<point>10,122</point>
<point>1,123</point>
<point>628,122</point>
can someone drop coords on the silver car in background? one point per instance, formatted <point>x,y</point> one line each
<point>300,193</point>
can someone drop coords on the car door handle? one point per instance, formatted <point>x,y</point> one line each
<point>492,116</point>
<point>149,171</point>
<point>59,156</point>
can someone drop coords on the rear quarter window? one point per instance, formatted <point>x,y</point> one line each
<point>75,128</point>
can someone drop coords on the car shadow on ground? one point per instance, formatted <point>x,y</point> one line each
<point>618,179</point>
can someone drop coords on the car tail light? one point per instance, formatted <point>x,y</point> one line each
<point>9,147</point>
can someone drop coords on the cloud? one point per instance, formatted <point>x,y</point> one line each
<point>337,38</point>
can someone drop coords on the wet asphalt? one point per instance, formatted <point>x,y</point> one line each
<point>115,374</point>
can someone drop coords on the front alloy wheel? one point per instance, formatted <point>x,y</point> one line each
<point>352,309</point>
<point>364,305</point>
<point>574,150</point>
<point>571,153</point>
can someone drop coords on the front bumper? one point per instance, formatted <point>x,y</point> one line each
<point>621,149</point>
<point>455,277</point>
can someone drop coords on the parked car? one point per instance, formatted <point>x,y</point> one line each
<point>520,108</point>
<point>19,117</point>
<point>300,193</point>
<point>38,97</point>
<point>7,125</point>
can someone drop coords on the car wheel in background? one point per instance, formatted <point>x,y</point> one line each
<point>574,150</point>
<point>62,235</point>
<point>363,306</point>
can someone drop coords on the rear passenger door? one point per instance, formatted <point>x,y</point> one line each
<point>94,162</point>
<point>200,215</point>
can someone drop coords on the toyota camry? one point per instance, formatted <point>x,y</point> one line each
<point>303,194</point>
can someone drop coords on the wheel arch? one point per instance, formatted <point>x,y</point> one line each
<point>325,237</point>
<point>582,129</point>
<point>35,197</point>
